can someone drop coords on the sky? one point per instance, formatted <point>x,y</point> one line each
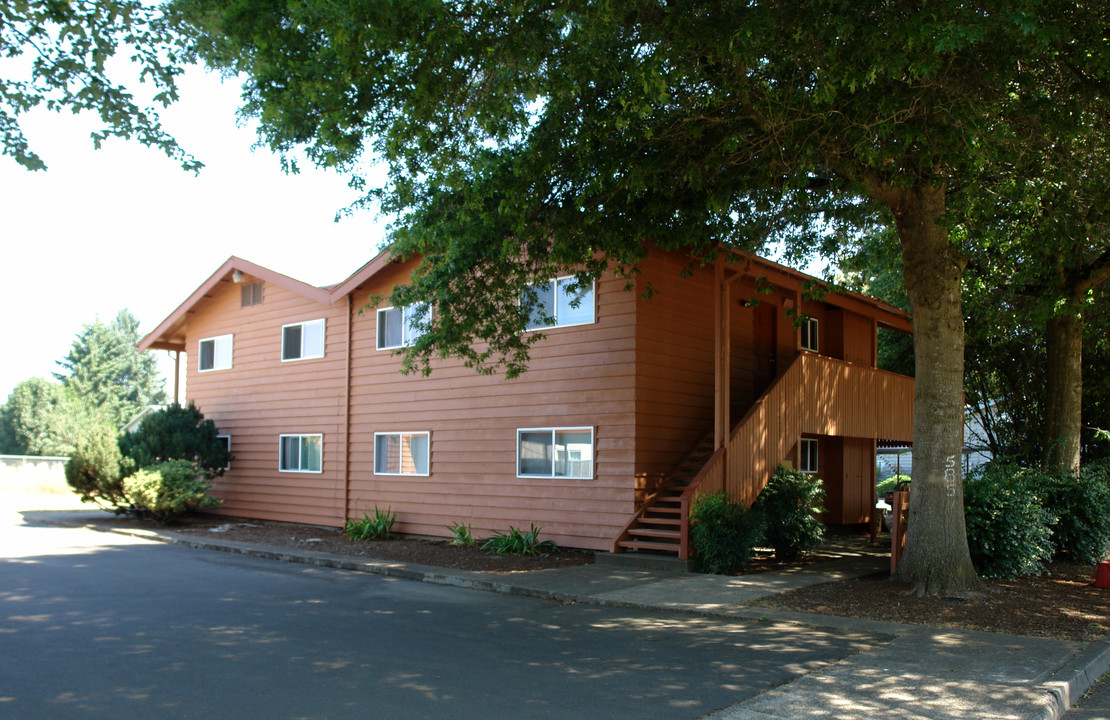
<point>126,227</point>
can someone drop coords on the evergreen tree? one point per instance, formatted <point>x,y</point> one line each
<point>31,419</point>
<point>105,370</point>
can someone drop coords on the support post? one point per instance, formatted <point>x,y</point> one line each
<point>722,352</point>
<point>176,376</point>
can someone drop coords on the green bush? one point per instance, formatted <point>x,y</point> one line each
<point>167,490</point>
<point>723,533</point>
<point>371,527</point>
<point>518,542</point>
<point>890,484</point>
<point>1009,530</point>
<point>1082,508</point>
<point>95,469</point>
<point>789,505</point>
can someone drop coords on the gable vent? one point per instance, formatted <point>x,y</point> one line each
<point>252,294</point>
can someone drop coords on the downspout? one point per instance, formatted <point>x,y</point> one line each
<point>347,416</point>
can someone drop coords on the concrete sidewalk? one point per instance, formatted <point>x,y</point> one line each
<point>920,672</point>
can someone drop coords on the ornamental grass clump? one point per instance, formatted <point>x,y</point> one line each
<point>461,535</point>
<point>789,505</point>
<point>371,527</point>
<point>519,542</point>
<point>723,533</point>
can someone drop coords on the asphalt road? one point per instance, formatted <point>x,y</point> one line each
<point>98,625</point>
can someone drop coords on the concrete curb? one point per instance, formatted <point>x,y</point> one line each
<point>1076,677</point>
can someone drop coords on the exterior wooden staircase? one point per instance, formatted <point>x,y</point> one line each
<point>816,395</point>
<point>658,526</point>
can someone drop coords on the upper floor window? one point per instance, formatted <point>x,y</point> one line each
<point>301,341</point>
<point>252,294</point>
<point>809,334</point>
<point>398,327</point>
<point>401,453</point>
<point>561,302</point>
<point>301,453</point>
<point>555,452</point>
<point>215,353</point>
<point>807,451</point>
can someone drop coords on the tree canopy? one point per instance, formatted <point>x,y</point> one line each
<point>88,55</point>
<point>524,139</point>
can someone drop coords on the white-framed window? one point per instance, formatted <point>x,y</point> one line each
<point>301,453</point>
<point>302,341</point>
<point>563,452</point>
<point>227,443</point>
<point>402,453</point>
<point>560,304</point>
<point>252,294</point>
<point>214,353</point>
<point>399,327</point>
<point>809,334</point>
<point>807,455</point>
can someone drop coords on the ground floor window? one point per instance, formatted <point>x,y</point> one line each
<point>555,452</point>
<point>301,453</point>
<point>401,453</point>
<point>807,448</point>
<point>226,439</point>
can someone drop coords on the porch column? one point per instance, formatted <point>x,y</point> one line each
<point>722,352</point>
<point>176,376</point>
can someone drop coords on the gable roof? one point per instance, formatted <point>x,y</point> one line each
<point>170,333</point>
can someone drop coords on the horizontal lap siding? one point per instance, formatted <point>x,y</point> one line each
<point>578,376</point>
<point>261,397</point>
<point>674,364</point>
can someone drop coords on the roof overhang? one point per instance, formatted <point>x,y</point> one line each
<point>886,315</point>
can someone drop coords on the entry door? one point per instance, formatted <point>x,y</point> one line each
<point>766,356</point>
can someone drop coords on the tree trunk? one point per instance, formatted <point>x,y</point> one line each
<point>936,559</point>
<point>1064,389</point>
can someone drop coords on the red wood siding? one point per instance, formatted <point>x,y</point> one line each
<point>260,397</point>
<point>674,364</point>
<point>579,377</point>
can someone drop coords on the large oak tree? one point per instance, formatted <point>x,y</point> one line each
<point>528,136</point>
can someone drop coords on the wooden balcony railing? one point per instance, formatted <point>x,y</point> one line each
<point>815,395</point>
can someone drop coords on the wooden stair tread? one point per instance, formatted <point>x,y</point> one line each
<point>647,545</point>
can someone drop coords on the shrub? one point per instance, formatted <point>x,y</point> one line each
<point>1008,529</point>
<point>95,469</point>
<point>175,433</point>
<point>723,533</point>
<point>169,489</point>
<point>518,542</point>
<point>376,527</point>
<point>461,535</point>
<point>1082,508</point>
<point>789,505</point>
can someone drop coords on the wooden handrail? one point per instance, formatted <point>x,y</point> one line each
<point>713,466</point>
